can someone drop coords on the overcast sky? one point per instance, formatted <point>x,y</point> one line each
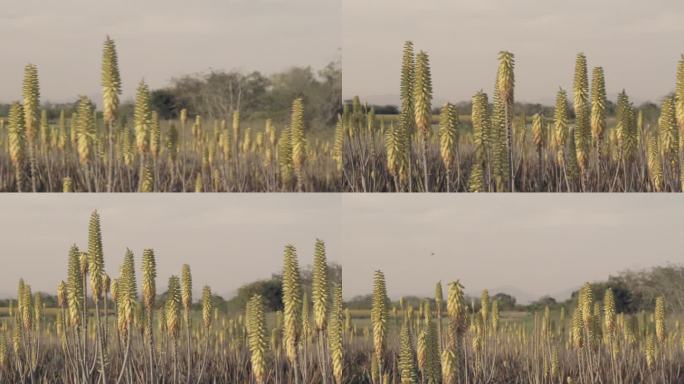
<point>637,42</point>
<point>527,245</point>
<point>158,40</point>
<point>227,239</point>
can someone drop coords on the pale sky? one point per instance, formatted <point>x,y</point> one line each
<point>527,245</point>
<point>637,42</point>
<point>158,40</point>
<point>227,239</point>
<point>534,244</point>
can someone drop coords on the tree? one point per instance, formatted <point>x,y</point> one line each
<point>270,290</point>
<point>506,301</point>
<point>165,102</point>
<point>542,303</point>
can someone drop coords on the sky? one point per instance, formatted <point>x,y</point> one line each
<point>228,240</point>
<point>637,42</point>
<point>159,40</point>
<point>525,245</point>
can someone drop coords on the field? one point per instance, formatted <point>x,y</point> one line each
<point>585,143</point>
<point>79,148</point>
<point>124,330</point>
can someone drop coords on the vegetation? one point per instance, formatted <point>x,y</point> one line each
<point>209,132</point>
<point>103,329</point>
<point>586,144</point>
<point>227,131</point>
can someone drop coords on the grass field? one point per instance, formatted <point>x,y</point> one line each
<point>129,329</point>
<point>584,143</point>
